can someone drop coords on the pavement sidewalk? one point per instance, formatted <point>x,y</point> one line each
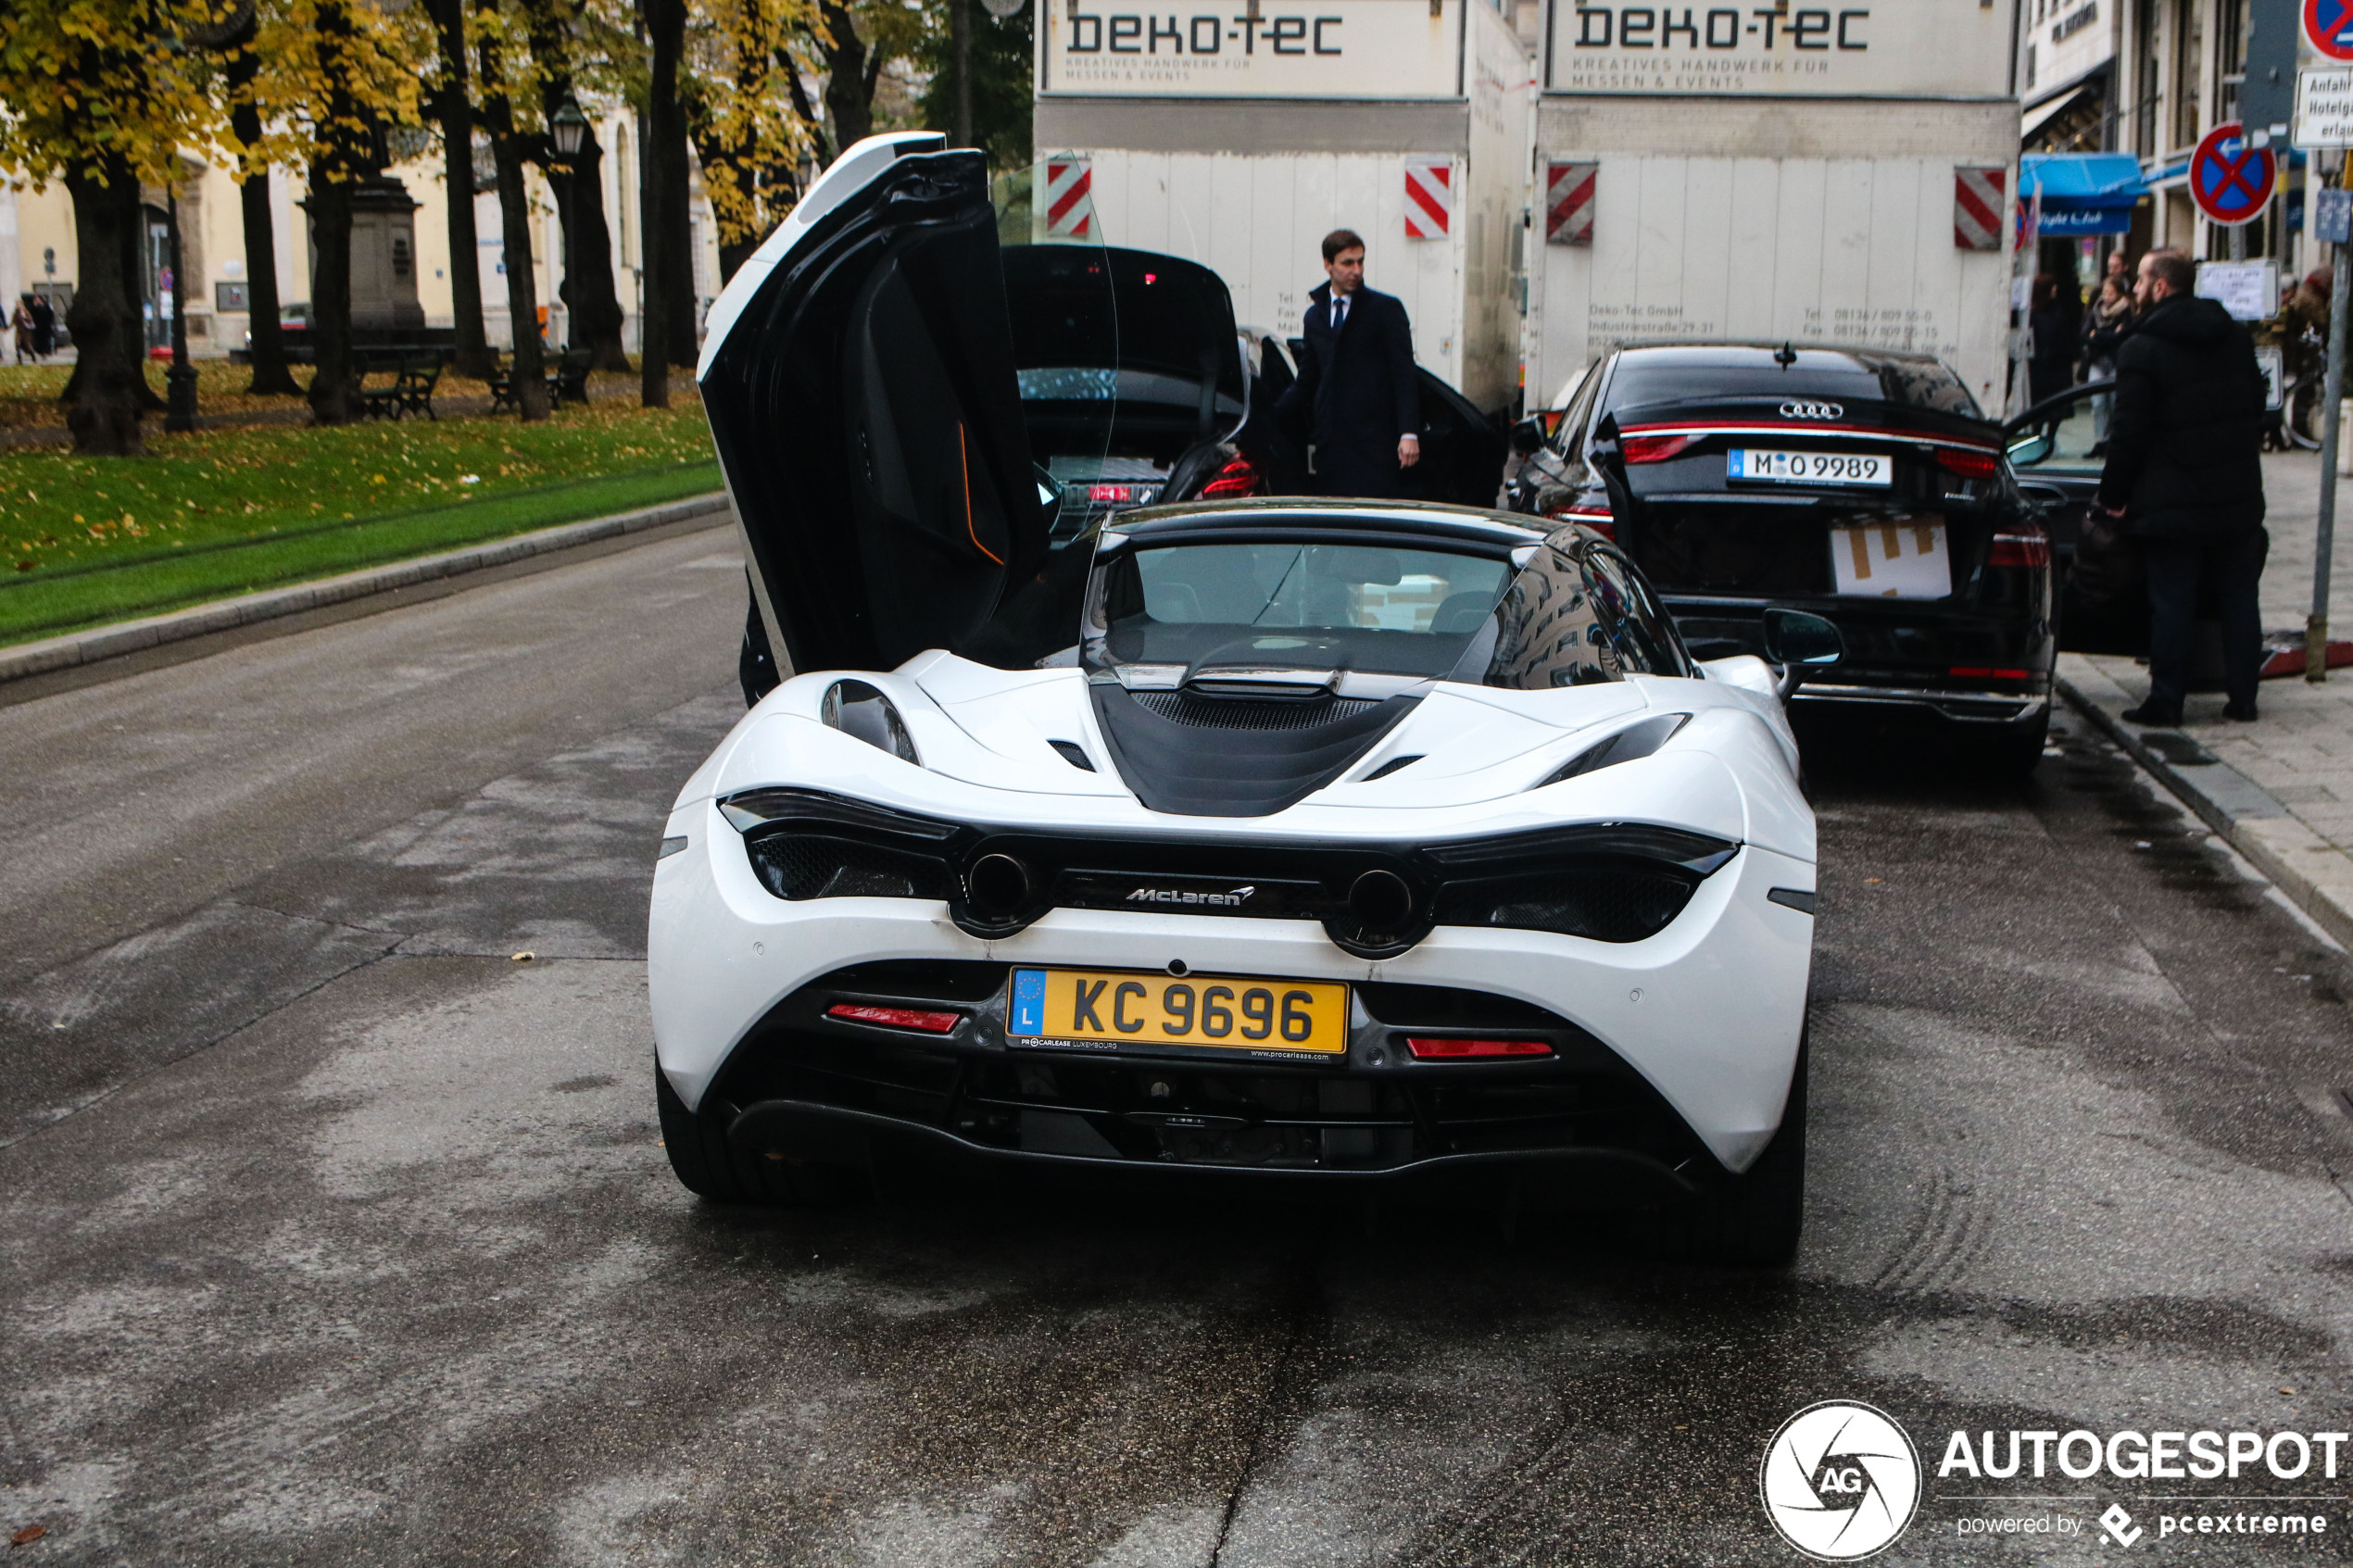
<point>2280,789</point>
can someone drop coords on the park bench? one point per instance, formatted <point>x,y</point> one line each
<point>413,381</point>
<point>567,379</point>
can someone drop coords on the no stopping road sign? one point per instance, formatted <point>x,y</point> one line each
<point>2229,180</point>
<point>2329,25</point>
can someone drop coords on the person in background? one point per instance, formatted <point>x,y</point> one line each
<point>45,326</point>
<point>2104,327</point>
<point>2051,369</point>
<point>1356,383</point>
<point>2185,477</point>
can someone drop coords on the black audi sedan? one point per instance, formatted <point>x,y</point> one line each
<point>1864,486</point>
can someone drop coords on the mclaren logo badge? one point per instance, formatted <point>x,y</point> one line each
<point>1812,410</point>
<point>1233,901</point>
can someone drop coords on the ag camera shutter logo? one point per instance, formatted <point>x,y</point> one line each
<point>1841,1481</point>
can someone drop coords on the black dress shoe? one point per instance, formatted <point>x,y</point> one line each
<point>2243,714</point>
<point>2151,717</point>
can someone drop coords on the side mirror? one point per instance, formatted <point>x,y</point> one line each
<point>1798,641</point>
<point>1527,436</point>
<point>2032,450</point>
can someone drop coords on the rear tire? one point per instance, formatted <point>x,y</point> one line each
<point>709,1165</point>
<point>697,1150</point>
<point>1754,1220</point>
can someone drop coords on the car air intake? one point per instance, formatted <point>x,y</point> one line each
<point>1248,713</point>
<point>1603,903</point>
<point>804,865</point>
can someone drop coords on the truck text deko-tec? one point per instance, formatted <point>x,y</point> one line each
<point>1839,175</point>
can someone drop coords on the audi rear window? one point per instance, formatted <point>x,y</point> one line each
<point>1683,375</point>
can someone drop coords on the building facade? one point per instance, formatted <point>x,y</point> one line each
<point>408,259</point>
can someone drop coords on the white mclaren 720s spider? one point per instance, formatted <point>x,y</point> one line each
<point>1326,841</point>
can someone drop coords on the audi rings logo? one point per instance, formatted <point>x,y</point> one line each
<point>1812,410</point>
<point>1840,1481</point>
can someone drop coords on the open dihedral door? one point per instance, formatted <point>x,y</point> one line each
<point>866,414</point>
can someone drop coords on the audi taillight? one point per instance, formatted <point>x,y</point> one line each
<point>1428,1049</point>
<point>1968,462</point>
<point>2023,545</point>
<point>920,1018</point>
<point>1110,493</point>
<point>1653,448</point>
<point>1238,476</point>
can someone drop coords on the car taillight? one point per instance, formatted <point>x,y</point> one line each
<point>1598,518</point>
<point>1240,477</point>
<point>1653,448</point>
<point>1110,493</point>
<point>1427,1049</point>
<point>1988,672</point>
<point>1968,462</point>
<point>2023,546</point>
<point>896,1018</point>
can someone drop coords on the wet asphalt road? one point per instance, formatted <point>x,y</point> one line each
<point>331,1234</point>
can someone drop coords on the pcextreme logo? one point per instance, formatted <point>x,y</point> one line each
<point>1840,1481</point>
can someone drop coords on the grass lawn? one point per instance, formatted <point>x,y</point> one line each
<point>87,541</point>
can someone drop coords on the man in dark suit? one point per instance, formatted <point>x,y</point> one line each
<point>1356,383</point>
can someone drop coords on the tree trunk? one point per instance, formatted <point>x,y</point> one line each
<point>959,34</point>
<point>455,110</point>
<point>529,365</point>
<point>340,161</point>
<point>104,415</point>
<point>849,96</point>
<point>670,266</point>
<point>588,290</point>
<point>335,381</point>
<point>270,372</point>
<point>653,331</point>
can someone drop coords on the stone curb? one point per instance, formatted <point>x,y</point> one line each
<point>2302,864</point>
<point>131,637</point>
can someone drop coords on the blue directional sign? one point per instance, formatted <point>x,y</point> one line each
<point>2230,181</point>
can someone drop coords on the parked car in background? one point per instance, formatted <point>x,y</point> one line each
<point>1864,486</point>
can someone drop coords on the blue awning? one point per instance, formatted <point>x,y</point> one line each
<point>2081,181</point>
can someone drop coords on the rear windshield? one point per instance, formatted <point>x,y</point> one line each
<point>1674,375</point>
<point>1369,609</point>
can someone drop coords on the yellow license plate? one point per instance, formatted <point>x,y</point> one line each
<point>1106,1009</point>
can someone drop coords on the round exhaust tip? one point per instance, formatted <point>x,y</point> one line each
<point>997,887</point>
<point>1380,901</point>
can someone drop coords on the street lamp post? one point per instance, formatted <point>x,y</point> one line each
<point>179,381</point>
<point>570,127</point>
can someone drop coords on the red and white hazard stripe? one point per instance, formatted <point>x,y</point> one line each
<point>1430,197</point>
<point>1070,198</point>
<point>1978,202</point>
<point>1569,203</point>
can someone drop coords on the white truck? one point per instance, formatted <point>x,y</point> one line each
<point>1832,174</point>
<point>1239,134</point>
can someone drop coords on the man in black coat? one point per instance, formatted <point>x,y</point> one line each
<point>2184,475</point>
<point>1356,383</point>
